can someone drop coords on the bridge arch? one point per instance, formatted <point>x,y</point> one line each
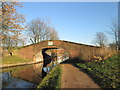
<point>38,54</point>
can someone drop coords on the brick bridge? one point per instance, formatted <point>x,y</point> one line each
<point>75,50</point>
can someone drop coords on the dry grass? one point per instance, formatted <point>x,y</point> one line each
<point>93,54</point>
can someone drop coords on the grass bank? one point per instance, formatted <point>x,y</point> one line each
<point>13,60</point>
<point>104,73</point>
<point>52,80</point>
<point>16,69</point>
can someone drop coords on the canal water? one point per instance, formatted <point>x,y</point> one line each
<point>28,76</point>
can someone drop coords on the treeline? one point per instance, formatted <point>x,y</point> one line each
<point>102,40</point>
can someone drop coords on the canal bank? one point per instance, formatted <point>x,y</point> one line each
<point>18,64</point>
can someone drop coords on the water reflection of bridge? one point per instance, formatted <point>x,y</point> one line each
<point>52,57</point>
<point>58,55</point>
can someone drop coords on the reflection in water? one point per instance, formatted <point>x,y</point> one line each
<point>46,69</point>
<point>11,82</point>
<point>30,73</point>
<point>24,76</point>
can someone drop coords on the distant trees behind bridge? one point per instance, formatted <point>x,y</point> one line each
<point>39,30</point>
<point>102,40</point>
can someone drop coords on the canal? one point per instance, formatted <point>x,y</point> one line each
<point>29,76</point>
<point>22,76</point>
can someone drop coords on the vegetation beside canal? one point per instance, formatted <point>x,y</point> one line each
<point>105,72</point>
<point>13,60</point>
<point>16,69</point>
<point>53,79</point>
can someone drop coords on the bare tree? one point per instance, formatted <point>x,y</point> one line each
<point>22,40</point>
<point>114,32</point>
<point>53,34</point>
<point>39,30</point>
<point>100,39</point>
<point>119,25</point>
<point>10,43</point>
<point>119,37</point>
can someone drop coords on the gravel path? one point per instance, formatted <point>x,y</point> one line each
<point>72,77</point>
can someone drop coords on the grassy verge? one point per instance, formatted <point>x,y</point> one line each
<point>104,73</point>
<point>13,60</point>
<point>16,69</point>
<point>52,80</point>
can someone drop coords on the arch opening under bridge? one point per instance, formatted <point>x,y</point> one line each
<point>51,54</point>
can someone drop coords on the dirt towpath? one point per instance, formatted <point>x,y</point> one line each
<point>72,77</point>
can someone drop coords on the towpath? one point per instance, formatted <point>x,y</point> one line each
<point>72,77</point>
